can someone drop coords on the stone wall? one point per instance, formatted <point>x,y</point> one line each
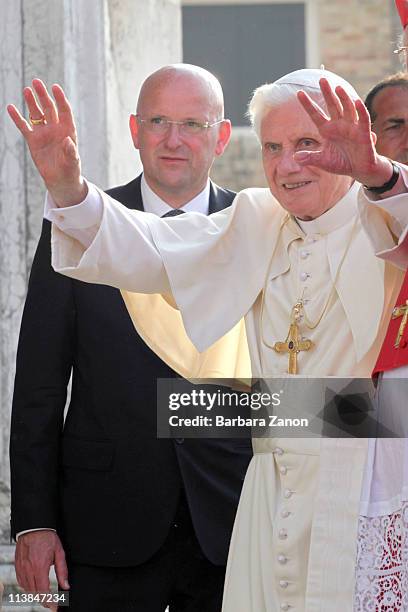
<point>357,39</point>
<point>241,164</point>
<point>13,242</point>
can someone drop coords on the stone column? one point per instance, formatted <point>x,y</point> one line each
<point>100,52</point>
<point>13,231</point>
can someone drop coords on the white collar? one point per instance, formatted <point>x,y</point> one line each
<point>152,203</point>
<point>340,214</point>
<point>360,270</point>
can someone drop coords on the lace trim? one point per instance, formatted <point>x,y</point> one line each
<point>382,563</point>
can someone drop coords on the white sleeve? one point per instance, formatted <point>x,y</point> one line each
<point>386,223</point>
<point>201,261</point>
<point>101,241</point>
<point>80,221</point>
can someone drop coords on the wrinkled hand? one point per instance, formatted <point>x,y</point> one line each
<point>36,552</point>
<point>53,142</point>
<point>349,142</point>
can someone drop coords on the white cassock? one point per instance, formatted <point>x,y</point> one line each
<point>305,503</point>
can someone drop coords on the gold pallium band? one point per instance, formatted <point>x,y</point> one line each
<point>39,121</point>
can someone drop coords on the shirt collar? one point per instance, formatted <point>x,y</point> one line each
<point>337,216</point>
<point>152,203</point>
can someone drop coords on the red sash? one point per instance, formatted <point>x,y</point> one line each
<point>392,356</point>
<point>402,8</point>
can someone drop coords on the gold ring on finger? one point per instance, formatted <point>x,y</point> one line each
<point>40,121</point>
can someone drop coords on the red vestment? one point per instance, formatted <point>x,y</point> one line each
<point>390,356</point>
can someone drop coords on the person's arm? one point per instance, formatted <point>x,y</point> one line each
<point>53,148</point>
<point>44,360</point>
<point>102,241</point>
<point>138,251</point>
<point>349,149</point>
<point>386,223</point>
<point>52,141</point>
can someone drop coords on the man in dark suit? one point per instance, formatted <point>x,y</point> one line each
<point>132,522</point>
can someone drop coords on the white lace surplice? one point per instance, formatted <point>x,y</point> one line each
<point>382,562</point>
<point>382,555</point>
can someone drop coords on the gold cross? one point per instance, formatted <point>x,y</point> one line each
<point>400,311</point>
<point>293,345</point>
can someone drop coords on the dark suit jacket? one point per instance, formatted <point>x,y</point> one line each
<point>103,479</point>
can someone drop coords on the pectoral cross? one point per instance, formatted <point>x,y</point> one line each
<point>400,311</point>
<point>293,344</point>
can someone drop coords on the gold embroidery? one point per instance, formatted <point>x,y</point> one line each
<point>400,311</point>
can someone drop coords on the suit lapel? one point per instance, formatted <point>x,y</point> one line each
<point>219,198</point>
<point>137,191</point>
<point>131,196</point>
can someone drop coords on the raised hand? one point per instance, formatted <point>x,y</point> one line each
<point>52,140</point>
<point>349,142</point>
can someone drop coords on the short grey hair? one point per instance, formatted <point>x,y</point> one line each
<point>271,95</point>
<point>285,89</point>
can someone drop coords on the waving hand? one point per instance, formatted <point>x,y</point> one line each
<point>349,143</point>
<point>52,140</point>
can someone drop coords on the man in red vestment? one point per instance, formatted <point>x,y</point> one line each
<point>387,103</point>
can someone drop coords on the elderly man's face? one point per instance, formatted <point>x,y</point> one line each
<point>176,165</point>
<point>390,108</point>
<point>305,192</point>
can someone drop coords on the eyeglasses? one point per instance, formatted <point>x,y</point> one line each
<point>161,125</point>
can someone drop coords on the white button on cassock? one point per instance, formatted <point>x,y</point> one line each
<point>304,276</point>
<point>287,493</point>
<point>283,469</point>
<point>283,534</point>
<point>283,584</point>
<point>285,513</point>
<point>282,559</point>
<point>285,606</point>
<point>279,451</point>
<point>304,254</point>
